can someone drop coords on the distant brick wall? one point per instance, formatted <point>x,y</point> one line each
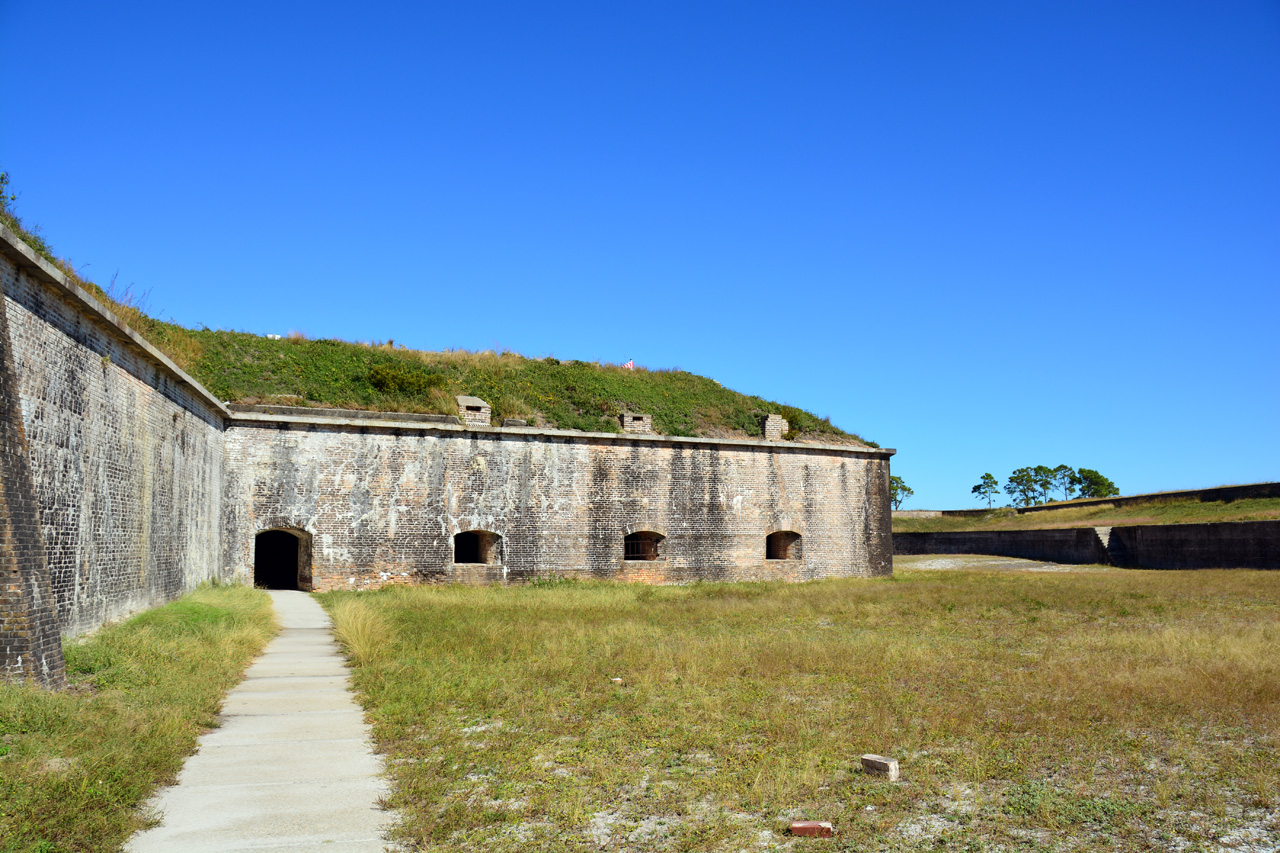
<point>1224,545</point>
<point>383,504</point>
<point>1220,545</point>
<point>1071,545</point>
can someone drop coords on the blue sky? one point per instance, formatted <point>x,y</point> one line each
<point>987,234</point>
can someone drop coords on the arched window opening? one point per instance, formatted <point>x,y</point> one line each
<point>477,547</point>
<point>783,545</point>
<point>643,545</point>
<point>282,560</point>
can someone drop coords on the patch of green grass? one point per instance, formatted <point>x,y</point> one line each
<point>1049,806</point>
<point>76,765</point>
<point>1179,511</point>
<point>1102,708</point>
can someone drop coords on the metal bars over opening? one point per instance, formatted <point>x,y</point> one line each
<point>644,545</point>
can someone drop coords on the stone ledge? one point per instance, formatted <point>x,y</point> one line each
<point>359,419</point>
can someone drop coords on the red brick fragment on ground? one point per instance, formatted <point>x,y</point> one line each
<point>812,829</point>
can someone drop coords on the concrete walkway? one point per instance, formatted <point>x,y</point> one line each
<point>291,768</point>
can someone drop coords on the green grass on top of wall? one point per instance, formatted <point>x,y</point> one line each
<point>564,394</point>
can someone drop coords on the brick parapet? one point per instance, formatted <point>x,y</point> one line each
<point>636,423</point>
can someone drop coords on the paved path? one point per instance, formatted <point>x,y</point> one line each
<point>291,768</point>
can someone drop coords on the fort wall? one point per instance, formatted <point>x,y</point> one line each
<point>126,483</point>
<point>382,503</point>
<point>1081,545</point>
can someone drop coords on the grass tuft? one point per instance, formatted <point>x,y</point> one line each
<point>363,632</point>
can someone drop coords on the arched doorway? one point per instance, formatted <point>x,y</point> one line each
<point>282,560</point>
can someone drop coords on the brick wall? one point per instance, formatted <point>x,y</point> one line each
<point>382,504</point>
<point>30,645</point>
<point>774,426</point>
<point>1083,545</point>
<point>1219,545</point>
<point>126,457</point>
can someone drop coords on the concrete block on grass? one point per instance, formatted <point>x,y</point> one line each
<point>878,765</point>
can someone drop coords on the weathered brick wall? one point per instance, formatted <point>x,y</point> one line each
<point>127,460</point>
<point>138,485</point>
<point>774,427</point>
<point>382,503</point>
<point>30,645</point>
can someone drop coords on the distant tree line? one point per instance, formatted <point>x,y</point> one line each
<point>1038,484</point>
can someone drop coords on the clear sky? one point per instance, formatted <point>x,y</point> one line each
<point>987,234</point>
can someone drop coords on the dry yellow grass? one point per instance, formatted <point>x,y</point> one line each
<point>1112,709</point>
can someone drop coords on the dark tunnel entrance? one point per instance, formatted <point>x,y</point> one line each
<point>281,560</point>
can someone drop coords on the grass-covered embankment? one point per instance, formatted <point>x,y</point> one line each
<point>75,765</point>
<point>1046,711</point>
<point>1101,515</point>
<point>562,394</point>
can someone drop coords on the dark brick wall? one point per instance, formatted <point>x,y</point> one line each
<point>30,645</point>
<point>1223,545</point>
<point>1072,545</point>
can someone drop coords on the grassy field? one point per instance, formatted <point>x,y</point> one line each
<point>1029,710</point>
<point>76,765</point>
<point>1102,515</point>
